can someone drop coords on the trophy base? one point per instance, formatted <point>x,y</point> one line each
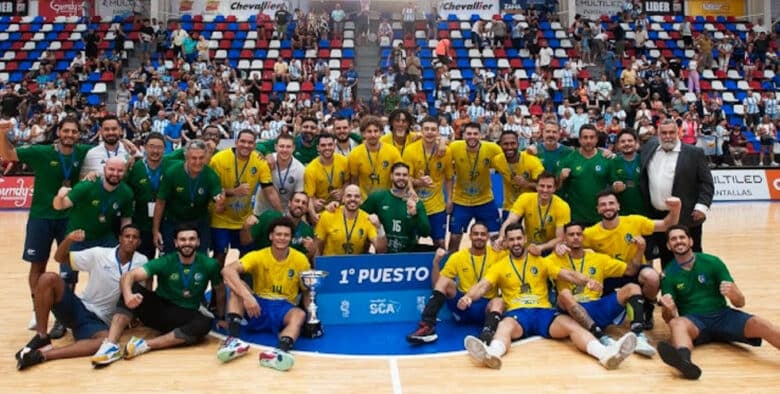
<point>312,330</point>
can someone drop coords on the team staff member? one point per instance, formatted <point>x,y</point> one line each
<point>172,308</point>
<point>550,151</point>
<point>369,163</point>
<point>472,195</point>
<point>54,166</point>
<point>624,174</point>
<point>430,166</point>
<point>583,174</point>
<point>519,170</point>
<point>185,193</point>
<point>89,314</point>
<point>144,179</point>
<point>543,216</point>
<point>349,229</point>
<point>111,145</point>
<point>255,232</point>
<point>324,178</point>
<point>286,176</point>
<point>305,142</point>
<point>463,269</point>
<point>271,303</point>
<point>401,213</point>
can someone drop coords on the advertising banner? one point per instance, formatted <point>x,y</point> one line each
<point>662,7</point>
<point>16,192</point>
<point>513,6</point>
<point>715,8</point>
<point>594,9</point>
<point>107,9</point>
<point>463,9</point>
<point>14,7</point>
<point>51,9</point>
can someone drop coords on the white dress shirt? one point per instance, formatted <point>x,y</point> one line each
<point>660,177</point>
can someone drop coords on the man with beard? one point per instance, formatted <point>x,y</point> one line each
<point>54,166</point>
<point>529,312</point>
<point>671,168</point>
<point>519,170</point>
<point>463,269</point>
<point>624,174</point>
<point>270,305</point>
<point>305,142</point>
<point>286,176</point>
<point>144,180</point>
<point>346,141</point>
<point>550,151</point>
<point>583,174</point>
<point>543,215</point>
<point>472,195</point>
<point>695,291</point>
<point>111,145</point>
<point>255,231</point>
<point>173,308</point>
<point>87,315</point>
<point>430,166</point>
<point>349,229</point>
<point>400,212</point>
<point>325,177</point>
<point>614,236</point>
<point>587,306</point>
<point>99,207</point>
<point>400,135</point>
<point>186,190</point>
<point>369,163</point>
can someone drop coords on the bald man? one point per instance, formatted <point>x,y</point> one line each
<point>348,229</point>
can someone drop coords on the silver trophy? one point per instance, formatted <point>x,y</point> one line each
<point>312,280</point>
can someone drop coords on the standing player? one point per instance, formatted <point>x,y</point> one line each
<point>400,135</point>
<point>287,176</point>
<point>369,163</point>
<point>325,177</point>
<point>255,232</point>
<point>144,180</point>
<point>519,170</point>
<point>54,166</point>
<point>401,213</point>
<point>349,229</point>
<point>522,279</point>
<point>696,288</point>
<point>271,304</point>
<point>472,195</point>
<point>430,166</point>
<point>624,174</point>
<point>464,269</point>
<point>583,174</point>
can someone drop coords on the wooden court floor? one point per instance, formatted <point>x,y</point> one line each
<point>744,235</point>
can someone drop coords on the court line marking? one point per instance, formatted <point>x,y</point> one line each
<point>395,376</point>
<point>372,356</point>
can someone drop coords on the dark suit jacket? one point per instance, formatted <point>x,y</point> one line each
<point>692,179</point>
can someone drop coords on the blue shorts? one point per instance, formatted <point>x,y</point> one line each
<point>222,239</point>
<point>475,314</point>
<point>462,215</point>
<point>72,313</point>
<point>612,284</point>
<point>726,325</point>
<point>606,311</point>
<point>438,225</point>
<point>272,313</point>
<point>40,234</point>
<point>534,321</point>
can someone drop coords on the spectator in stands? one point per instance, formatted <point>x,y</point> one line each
<point>91,41</point>
<point>749,62</point>
<point>767,135</point>
<point>282,19</point>
<point>544,59</point>
<point>177,40</point>
<point>499,30</point>
<point>737,145</point>
<point>385,33</point>
<point>203,48</point>
<point>161,40</point>
<point>338,16</point>
<point>443,51</point>
<point>687,33</point>
<point>409,17</point>
<point>725,49</point>
<point>751,104</point>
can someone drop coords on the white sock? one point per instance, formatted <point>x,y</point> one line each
<point>596,349</point>
<point>496,348</point>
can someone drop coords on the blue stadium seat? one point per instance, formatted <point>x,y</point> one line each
<point>93,100</point>
<point>280,87</point>
<point>237,44</point>
<point>16,77</point>
<point>348,53</point>
<point>463,64</point>
<point>86,88</point>
<point>461,53</point>
<point>428,85</point>
<point>323,44</point>
<point>241,35</point>
<point>93,77</point>
<point>232,26</point>
<point>234,54</point>
<point>529,64</point>
<point>186,18</point>
<point>490,64</point>
<point>219,18</point>
<point>210,26</point>
<point>458,44</point>
<point>468,75</point>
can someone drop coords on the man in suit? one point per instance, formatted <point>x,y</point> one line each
<point>671,168</point>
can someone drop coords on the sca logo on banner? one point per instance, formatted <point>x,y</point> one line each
<point>383,306</point>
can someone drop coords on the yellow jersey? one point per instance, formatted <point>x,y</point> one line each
<point>523,283</point>
<point>473,185</point>
<point>619,241</point>
<point>438,167</point>
<point>232,172</point>
<point>274,279</point>
<point>319,179</point>
<point>541,221</point>
<point>372,168</point>
<point>470,269</point>
<point>411,136</point>
<point>341,236</point>
<point>596,266</point>
<point>528,167</point>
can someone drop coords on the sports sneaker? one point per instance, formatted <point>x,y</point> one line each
<point>478,352</point>
<point>58,330</point>
<point>29,359</point>
<point>672,357</point>
<point>649,308</point>
<point>35,343</point>
<point>607,341</point>
<point>135,347</point>
<point>232,348</point>
<point>107,354</point>
<point>277,359</point>
<point>486,335</point>
<point>643,346</point>
<point>425,333</point>
<point>619,351</point>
